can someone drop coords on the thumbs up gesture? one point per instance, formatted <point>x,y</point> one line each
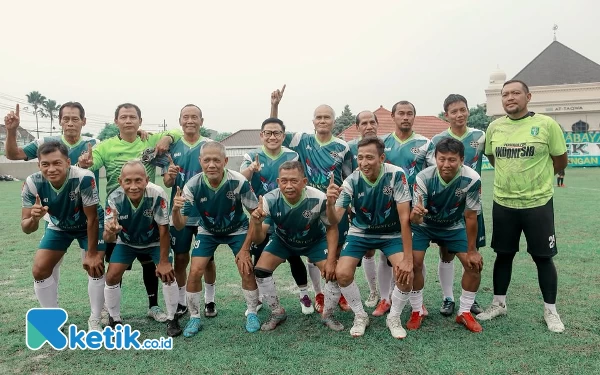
<point>178,200</point>
<point>86,159</point>
<point>112,226</point>
<point>333,191</point>
<point>37,210</point>
<point>255,166</point>
<point>258,215</point>
<point>277,95</point>
<point>12,120</point>
<point>173,171</point>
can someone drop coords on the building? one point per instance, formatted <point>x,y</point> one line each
<point>239,143</point>
<point>427,126</point>
<point>23,137</point>
<point>564,85</point>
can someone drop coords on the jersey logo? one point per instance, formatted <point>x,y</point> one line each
<point>203,199</point>
<point>308,147</point>
<point>334,154</point>
<point>176,154</point>
<point>306,214</point>
<point>278,214</point>
<point>535,131</point>
<point>414,150</point>
<point>474,144</point>
<point>123,217</point>
<point>230,195</point>
<point>360,195</point>
<point>148,212</point>
<point>387,149</point>
<point>459,192</point>
<point>163,204</point>
<point>73,195</point>
<point>387,190</point>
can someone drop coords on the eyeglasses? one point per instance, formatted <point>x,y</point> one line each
<point>269,133</point>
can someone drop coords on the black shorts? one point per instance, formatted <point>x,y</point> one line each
<point>536,223</point>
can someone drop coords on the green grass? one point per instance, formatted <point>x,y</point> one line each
<point>516,344</point>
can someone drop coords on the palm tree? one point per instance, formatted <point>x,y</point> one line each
<point>50,110</point>
<point>36,100</point>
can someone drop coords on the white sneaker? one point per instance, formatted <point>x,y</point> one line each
<point>395,326</point>
<point>258,307</point>
<point>553,321</point>
<point>372,300</point>
<point>360,324</point>
<point>94,324</point>
<point>157,314</point>
<point>494,310</point>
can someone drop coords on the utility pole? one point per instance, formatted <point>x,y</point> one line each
<point>164,125</point>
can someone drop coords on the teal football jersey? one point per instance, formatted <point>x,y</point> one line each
<point>474,142</point>
<point>447,202</point>
<point>266,180</point>
<point>65,205</point>
<point>353,146</point>
<point>299,225</point>
<point>412,155</point>
<point>221,208</point>
<point>321,159</point>
<point>140,224</point>
<point>375,214</point>
<point>186,157</point>
<point>75,150</point>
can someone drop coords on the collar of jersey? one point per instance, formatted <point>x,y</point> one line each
<point>324,143</point>
<point>139,204</point>
<point>57,191</point>
<point>444,183</point>
<point>137,139</point>
<point>529,114</point>
<point>220,184</point>
<point>66,143</point>
<point>378,177</point>
<point>460,138</point>
<point>190,145</point>
<point>297,203</point>
<point>269,155</point>
<point>406,140</point>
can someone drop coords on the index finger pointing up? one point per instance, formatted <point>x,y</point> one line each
<point>332,179</point>
<point>17,110</point>
<point>283,89</point>
<point>37,199</point>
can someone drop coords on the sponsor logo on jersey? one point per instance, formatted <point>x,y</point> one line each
<point>514,151</point>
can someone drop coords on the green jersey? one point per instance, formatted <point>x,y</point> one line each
<point>523,151</point>
<point>186,156</point>
<point>140,224</point>
<point>112,153</point>
<point>321,159</point>
<point>65,205</point>
<point>299,225</point>
<point>75,150</point>
<point>412,155</point>
<point>447,201</point>
<point>474,142</point>
<point>375,212</point>
<point>266,180</point>
<point>221,208</point>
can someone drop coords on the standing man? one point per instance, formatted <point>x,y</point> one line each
<point>67,198</point>
<point>112,154</point>
<point>184,156</point>
<point>261,168</point>
<point>220,195</point>
<point>380,195</point>
<point>446,200</point>
<point>526,150</point>
<point>412,152</point>
<point>367,125</point>
<point>456,111</point>
<point>137,218</point>
<point>298,213</point>
<point>324,155</point>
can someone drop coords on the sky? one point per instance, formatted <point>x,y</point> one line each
<point>227,57</point>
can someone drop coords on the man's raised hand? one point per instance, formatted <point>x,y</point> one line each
<point>333,191</point>
<point>419,209</point>
<point>113,226</point>
<point>37,210</point>
<point>178,200</point>
<point>173,169</point>
<point>258,215</point>
<point>277,95</point>
<point>255,165</point>
<point>12,120</point>
<point>86,159</point>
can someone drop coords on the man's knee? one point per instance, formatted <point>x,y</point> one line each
<point>182,260</point>
<point>41,272</point>
<point>345,276</point>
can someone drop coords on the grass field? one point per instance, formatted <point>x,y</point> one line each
<point>516,344</point>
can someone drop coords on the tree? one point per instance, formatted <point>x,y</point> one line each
<point>109,131</point>
<point>477,117</point>
<point>36,100</point>
<point>344,121</point>
<point>50,109</point>
<point>205,132</point>
<point>221,136</point>
<point>87,135</point>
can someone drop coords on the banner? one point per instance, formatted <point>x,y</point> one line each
<point>583,150</point>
